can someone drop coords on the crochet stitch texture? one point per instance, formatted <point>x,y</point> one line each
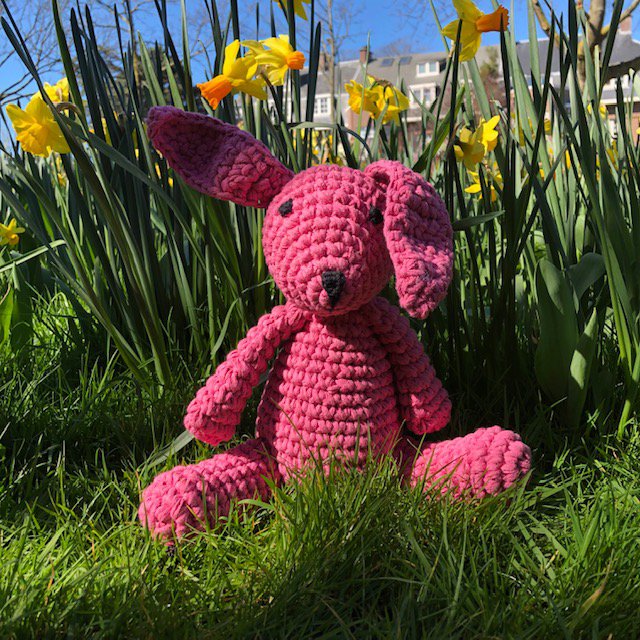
<point>349,377</point>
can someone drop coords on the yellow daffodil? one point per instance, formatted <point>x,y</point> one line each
<point>492,178</point>
<point>602,109</point>
<point>375,97</point>
<point>9,233</point>
<point>298,7</point>
<point>36,128</point>
<point>612,153</point>
<point>548,129</point>
<point>277,58</point>
<point>59,92</point>
<point>157,167</point>
<point>322,148</point>
<point>473,146</point>
<point>394,100</point>
<point>474,24</point>
<point>362,99</point>
<point>237,75</point>
<point>61,176</point>
<point>159,174</point>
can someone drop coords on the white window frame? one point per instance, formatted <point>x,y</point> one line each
<point>322,99</point>
<point>431,68</point>
<point>419,91</point>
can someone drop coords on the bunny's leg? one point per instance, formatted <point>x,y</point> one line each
<point>188,498</point>
<point>482,463</point>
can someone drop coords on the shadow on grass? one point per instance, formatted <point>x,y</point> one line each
<point>354,555</point>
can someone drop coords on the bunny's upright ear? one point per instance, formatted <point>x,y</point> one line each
<point>418,234</point>
<point>216,158</point>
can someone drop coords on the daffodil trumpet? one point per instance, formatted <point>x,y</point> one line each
<point>466,32</point>
<point>237,75</point>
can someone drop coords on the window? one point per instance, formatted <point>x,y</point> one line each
<point>422,95</point>
<point>405,60</point>
<point>387,62</point>
<point>321,107</point>
<point>612,84</point>
<point>428,68</point>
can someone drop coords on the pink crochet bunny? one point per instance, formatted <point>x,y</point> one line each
<point>350,372</point>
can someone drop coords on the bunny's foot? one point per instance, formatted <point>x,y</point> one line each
<point>483,463</point>
<point>192,497</point>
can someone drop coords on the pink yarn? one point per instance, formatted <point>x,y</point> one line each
<point>485,462</point>
<point>191,497</point>
<point>216,158</point>
<point>350,372</point>
<point>215,412</point>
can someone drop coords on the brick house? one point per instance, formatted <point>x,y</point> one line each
<point>625,57</point>
<point>421,75</point>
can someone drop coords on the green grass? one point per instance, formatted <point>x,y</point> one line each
<point>355,555</point>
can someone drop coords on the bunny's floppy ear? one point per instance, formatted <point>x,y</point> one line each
<point>216,158</point>
<point>418,234</point>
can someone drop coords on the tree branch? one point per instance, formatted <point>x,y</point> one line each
<point>623,16</point>
<point>597,10</point>
<point>542,18</point>
<point>543,21</point>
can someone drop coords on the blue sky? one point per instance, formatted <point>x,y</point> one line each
<point>397,21</point>
<point>386,23</point>
<point>383,21</point>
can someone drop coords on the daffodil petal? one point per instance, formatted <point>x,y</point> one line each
<point>467,10</point>
<point>254,88</point>
<point>451,30</point>
<point>230,55</point>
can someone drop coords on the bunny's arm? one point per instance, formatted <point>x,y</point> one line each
<point>212,416</point>
<point>424,403</point>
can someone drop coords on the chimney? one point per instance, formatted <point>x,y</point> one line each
<point>625,26</point>
<point>365,55</point>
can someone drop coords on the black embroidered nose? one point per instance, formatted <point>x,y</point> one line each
<point>333,283</point>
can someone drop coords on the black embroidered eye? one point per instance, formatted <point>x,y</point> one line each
<point>375,215</point>
<point>286,208</point>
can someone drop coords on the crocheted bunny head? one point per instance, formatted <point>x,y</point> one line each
<point>332,236</point>
<point>324,241</point>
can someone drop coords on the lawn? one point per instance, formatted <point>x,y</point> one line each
<point>352,555</point>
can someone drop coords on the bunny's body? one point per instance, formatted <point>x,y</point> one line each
<point>332,394</point>
<point>350,378</point>
<point>330,391</point>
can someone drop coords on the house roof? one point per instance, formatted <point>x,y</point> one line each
<point>401,70</point>
<point>625,53</point>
